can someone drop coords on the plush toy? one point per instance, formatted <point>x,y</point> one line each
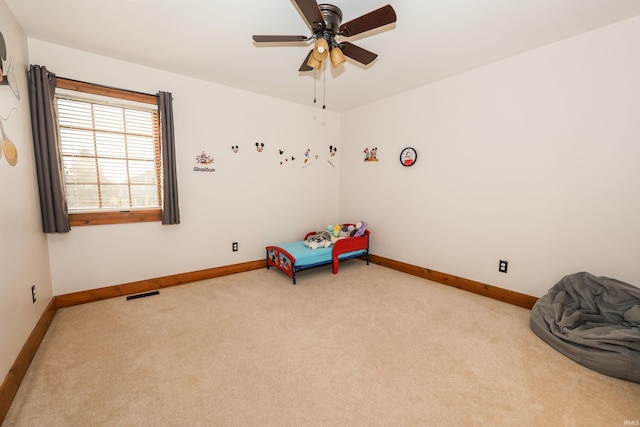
<point>322,239</point>
<point>360,228</point>
<point>345,231</point>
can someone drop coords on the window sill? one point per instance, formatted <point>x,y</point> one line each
<point>125,217</point>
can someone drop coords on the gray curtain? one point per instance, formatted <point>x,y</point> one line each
<point>170,209</point>
<point>53,203</point>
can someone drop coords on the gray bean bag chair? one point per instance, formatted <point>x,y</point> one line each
<point>594,321</point>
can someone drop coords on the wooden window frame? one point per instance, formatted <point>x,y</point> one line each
<point>125,216</point>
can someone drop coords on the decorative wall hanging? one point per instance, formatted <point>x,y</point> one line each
<point>202,161</point>
<point>234,148</point>
<point>260,146</point>
<point>408,156</point>
<point>8,78</point>
<point>371,155</point>
<point>7,147</point>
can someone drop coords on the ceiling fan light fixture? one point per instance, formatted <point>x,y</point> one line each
<point>314,63</point>
<point>337,57</point>
<point>325,21</point>
<point>321,49</point>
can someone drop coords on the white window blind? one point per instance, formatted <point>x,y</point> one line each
<point>110,154</point>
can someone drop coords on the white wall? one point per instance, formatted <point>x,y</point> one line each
<point>251,198</point>
<point>24,260</point>
<point>533,159</point>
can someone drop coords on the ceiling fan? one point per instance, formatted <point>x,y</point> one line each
<point>325,21</point>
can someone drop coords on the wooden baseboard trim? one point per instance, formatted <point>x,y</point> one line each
<point>511,297</point>
<point>16,374</point>
<point>82,297</point>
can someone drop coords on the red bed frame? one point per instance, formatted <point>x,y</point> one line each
<point>344,248</point>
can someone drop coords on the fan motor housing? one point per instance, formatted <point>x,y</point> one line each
<point>332,17</point>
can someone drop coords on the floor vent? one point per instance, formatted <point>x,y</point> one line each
<point>146,294</point>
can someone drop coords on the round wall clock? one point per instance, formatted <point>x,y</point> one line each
<point>408,156</point>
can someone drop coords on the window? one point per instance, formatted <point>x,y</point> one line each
<point>110,154</point>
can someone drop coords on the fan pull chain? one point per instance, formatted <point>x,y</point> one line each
<point>324,86</point>
<point>314,85</point>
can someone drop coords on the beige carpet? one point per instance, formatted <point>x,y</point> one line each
<point>370,346</point>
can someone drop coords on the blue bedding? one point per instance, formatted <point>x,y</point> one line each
<point>306,257</point>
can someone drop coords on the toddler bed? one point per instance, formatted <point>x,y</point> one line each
<point>295,256</point>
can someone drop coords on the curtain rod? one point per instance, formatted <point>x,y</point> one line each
<point>74,81</point>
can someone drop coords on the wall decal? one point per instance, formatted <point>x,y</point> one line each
<point>308,157</point>
<point>284,159</point>
<point>202,161</point>
<point>371,155</point>
<point>260,146</point>
<point>332,150</point>
<point>234,148</point>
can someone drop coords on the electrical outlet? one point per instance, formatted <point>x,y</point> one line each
<point>502,266</point>
<point>234,246</point>
<point>33,293</point>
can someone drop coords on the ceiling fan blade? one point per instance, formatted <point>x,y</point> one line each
<point>312,14</point>
<point>276,38</point>
<point>377,18</point>
<point>359,54</point>
<point>304,66</point>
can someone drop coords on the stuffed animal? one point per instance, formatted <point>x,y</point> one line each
<point>360,228</point>
<point>335,230</point>
<point>322,239</point>
<point>345,231</point>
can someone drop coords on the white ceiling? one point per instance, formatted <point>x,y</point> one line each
<point>211,39</point>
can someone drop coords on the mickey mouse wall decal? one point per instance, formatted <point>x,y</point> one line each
<point>234,148</point>
<point>259,146</point>
<point>371,155</point>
